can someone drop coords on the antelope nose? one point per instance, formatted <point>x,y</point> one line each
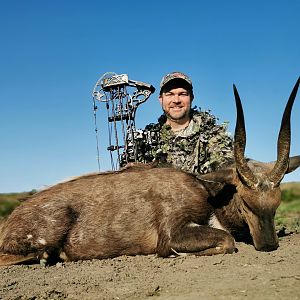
<point>268,248</point>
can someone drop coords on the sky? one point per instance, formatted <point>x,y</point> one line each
<point>54,52</point>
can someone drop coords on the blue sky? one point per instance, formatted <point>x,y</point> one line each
<point>53,53</point>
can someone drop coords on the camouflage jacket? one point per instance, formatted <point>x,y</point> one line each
<point>202,147</point>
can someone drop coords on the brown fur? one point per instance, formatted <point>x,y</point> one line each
<point>138,210</point>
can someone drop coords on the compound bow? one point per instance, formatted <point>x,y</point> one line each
<point>121,96</point>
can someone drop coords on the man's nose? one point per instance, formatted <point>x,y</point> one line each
<point>176,98</point>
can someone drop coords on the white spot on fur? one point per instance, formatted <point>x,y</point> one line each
<point>215,223</point>
<point>29,236</point>
<point>47,205</point>
<point>192,224</point>
<point>42,241</point>
<point>178,253</point>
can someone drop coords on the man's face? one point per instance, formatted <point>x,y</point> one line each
<point>176,103</point>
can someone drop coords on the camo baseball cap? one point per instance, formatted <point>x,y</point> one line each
<point>175,75</point>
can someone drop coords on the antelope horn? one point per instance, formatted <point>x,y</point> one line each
<point>242,167</point>
<point>284,141</point>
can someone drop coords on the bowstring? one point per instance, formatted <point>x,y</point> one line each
<point>96,133</point>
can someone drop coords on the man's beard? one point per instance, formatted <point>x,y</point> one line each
<point>179,118</point>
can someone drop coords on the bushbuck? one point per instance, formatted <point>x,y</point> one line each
<point>144,209</point>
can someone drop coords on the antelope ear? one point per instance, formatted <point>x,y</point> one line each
<point>225,176</point>
<point>221,176</point>
<point>216,181</point>
<point>294,163</point>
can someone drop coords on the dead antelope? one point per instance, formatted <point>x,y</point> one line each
<point>147,210</point>
<point>247,204</point>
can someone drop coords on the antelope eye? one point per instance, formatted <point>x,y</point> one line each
<point>247,205</point>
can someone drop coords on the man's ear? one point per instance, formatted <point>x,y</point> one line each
<point>160,99</point>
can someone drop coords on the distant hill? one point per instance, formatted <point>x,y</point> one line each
<point>287,215</point>
<point>290,191</point>
<point>290,185</point>
<point>8,201</point>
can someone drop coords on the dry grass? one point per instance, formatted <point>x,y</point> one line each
<point>288,213</point>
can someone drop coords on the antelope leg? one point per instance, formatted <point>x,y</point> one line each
<point>201,240</point>
<point>13,259</point>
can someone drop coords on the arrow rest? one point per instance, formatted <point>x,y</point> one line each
<point>120,97</point>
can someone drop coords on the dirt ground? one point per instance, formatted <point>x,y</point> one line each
<point>246,274</point>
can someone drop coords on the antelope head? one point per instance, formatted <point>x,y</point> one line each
<point>257,184</point>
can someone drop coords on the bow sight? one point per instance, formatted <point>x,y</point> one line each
<point>121,97</point>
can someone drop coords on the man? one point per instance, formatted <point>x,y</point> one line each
<point>185,137</point>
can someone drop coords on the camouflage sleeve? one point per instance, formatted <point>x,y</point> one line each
<point>219,147</point>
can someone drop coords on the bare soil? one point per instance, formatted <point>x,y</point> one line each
<point>245,274</point>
